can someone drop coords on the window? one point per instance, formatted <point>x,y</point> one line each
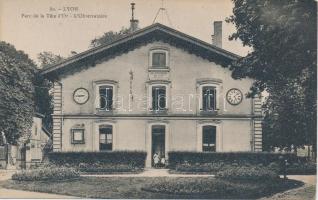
<point>208,98</point>
<point>209,138</point>
<point>158,98</point>
<point>35,130</point>
<point>159,59</point>
<point>77,136</point>
<point>106,97</point>
<point>105,94</point>
<point>105,138</point>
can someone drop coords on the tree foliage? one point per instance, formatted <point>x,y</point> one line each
<point>44,100</point>
<point>43,97</point>
<point>282,34</point>
<point>17,77</point>
<point>109,37</point>
<point>47,58</point>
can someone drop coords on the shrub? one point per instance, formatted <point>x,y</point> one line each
<point>241,158</point>
<point>106,168</point>
<point>302,168</point>
<point>199,167</point>
<point>247,172</point>
<point>46,173</point>
<point>115,161</point>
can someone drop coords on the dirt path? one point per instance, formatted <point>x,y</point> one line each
<point>8,193</point>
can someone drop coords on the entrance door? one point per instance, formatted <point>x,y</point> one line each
<point>158,142</point>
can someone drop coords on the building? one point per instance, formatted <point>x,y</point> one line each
<point>38,143</point>
<point>155,90</point>
<point>30,149</point>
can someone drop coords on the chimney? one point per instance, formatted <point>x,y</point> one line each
<point>217,36</point>
<point>133,22</point>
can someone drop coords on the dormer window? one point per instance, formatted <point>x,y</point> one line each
<point>158,58</point>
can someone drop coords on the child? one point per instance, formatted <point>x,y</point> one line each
<point>163,162</point>
<point>156,160</point>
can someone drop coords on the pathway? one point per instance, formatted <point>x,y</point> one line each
<point>306,192</point>
<point>16,194</point>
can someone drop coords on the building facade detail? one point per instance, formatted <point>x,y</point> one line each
<point>156,90</point>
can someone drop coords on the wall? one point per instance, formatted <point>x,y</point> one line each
<point>185,70</point>
<point>235,127</point>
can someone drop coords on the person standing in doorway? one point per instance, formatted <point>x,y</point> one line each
<point>156,160</point>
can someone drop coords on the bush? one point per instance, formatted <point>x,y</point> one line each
<point>114,161</point>
<point>302,168</point>
<point>46,173</point>
<point>247,172</point>
<point>106,168</point>
<point>199,167</point>
<point>241,158</point>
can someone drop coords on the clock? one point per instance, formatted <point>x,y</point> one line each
<point>80,95</point>
<point>234,96</point>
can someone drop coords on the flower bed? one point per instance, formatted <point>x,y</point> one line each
<point>247,172</point>
<point>46,173</point>
<point>220,188</point>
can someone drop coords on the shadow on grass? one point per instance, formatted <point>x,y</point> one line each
<point>156,187</point>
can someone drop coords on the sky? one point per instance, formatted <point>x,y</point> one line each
<point>29,24</point>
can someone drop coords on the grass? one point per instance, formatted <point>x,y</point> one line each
<point>145,187</point>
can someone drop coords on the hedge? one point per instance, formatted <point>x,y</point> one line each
<point>241,158</point>
<point>46,174</point>
<point>121,161</point>
<point>302,168</point>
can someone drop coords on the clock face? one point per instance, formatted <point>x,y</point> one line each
<point>81,96</point>
<point>234,96</point>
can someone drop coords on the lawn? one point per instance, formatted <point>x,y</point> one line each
<point>152,187</point>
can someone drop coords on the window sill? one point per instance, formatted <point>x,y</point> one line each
<point>104,112</point>
<point>159,69</point>
<point>158,112</point>
<point>208,112</point>
<point>82,142</point>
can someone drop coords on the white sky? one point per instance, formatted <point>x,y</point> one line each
<point>61,36</point>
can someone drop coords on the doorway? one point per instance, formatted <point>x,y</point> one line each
<point>158,144</point>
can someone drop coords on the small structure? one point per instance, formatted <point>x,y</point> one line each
<point>29,153</point>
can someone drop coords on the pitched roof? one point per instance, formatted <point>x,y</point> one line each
<point>155,32</point>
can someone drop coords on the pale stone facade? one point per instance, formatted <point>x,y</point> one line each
<point>132,77</point>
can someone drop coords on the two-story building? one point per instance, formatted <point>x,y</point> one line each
<point>155,90</point>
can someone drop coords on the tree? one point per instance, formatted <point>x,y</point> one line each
<point>43,100</point>
<point>109,37</point>
<point>282,34</point>
<point>47,58</point>
<point>43,97</point>
<point>17,77</point>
